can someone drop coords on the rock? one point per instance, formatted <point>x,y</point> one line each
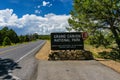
<point>71,55</point>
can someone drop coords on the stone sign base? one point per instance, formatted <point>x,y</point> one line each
<point>70,55</point>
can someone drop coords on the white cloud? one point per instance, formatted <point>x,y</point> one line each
<point>38,6</point>
<point>37,11</point>
<point>50,5</point>
<point>32,23</point>
<point>45,3</point>
<point>8,18</point>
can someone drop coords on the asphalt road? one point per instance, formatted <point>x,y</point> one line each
<point>17,53</point>
<point>23,55</point>
<point>75,70</point>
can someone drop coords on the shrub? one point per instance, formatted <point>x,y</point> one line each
<point>6,41</point>
<point>114,54</point>
<point>104,55</point>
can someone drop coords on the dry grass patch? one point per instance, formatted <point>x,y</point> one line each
<point>43,53</point>
<point>96,50</point>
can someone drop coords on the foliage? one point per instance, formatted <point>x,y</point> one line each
<point>96,16</point>
<point>31,37</point>
<point>5,32</point>
<point>6,41</point>
<point>101,39</point>
<point>27,38</point>
<point>104,55</point>
<point>44,37</point>
<point>8,36</point>
<point>0,38</point>
<point>35,36</point>
<point>14,38</point>
<point>21,38</point>
<point>114,54</point>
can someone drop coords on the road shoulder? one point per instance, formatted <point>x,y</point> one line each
<point>75,70</point>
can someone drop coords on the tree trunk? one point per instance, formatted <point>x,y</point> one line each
<point>117,39</point>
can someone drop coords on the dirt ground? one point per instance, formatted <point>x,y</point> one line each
<point>45,51</point>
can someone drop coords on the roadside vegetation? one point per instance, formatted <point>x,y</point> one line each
<point>10,37</point>
<point>101,20</point>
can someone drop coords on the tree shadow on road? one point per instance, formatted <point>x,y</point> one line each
<point>6,68</point>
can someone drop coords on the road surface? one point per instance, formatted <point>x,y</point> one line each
<point>23,55</point>
<point>75,70</point>
<point>19,52</point>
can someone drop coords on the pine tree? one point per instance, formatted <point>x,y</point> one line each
<point>97,16</point>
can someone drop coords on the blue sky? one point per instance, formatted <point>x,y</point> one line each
<point>30,16</point>
<point>22,7</point>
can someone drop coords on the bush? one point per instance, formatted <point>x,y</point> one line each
<point>6,41</point>
<point>114,54</point>
<point>104,55</point>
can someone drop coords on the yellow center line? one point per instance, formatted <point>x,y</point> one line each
<point>11,49</point>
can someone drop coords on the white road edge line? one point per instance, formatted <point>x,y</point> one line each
<point>15,77</point>
<point>29,52</point>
